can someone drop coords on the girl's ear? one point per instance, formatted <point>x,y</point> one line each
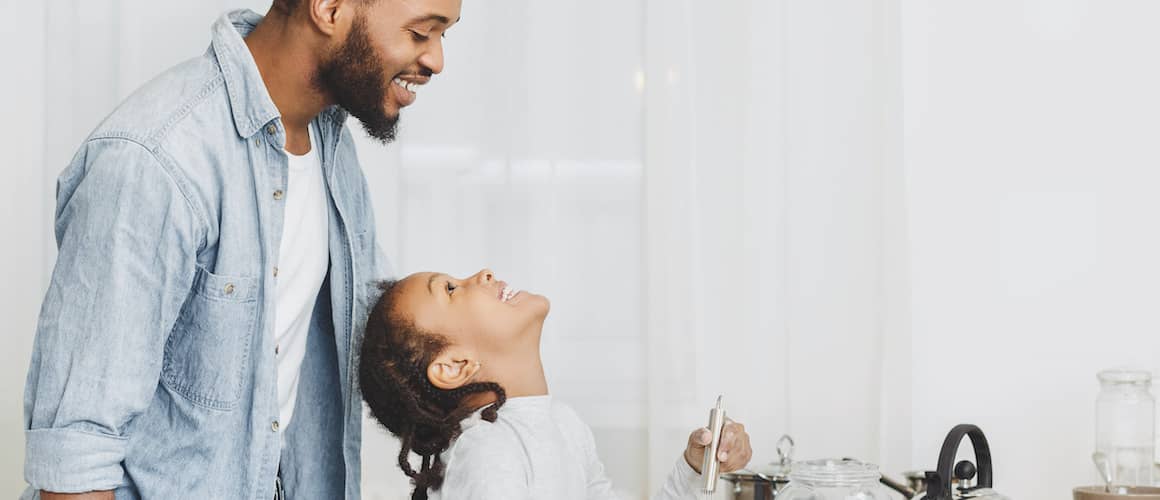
<point>453,369</point>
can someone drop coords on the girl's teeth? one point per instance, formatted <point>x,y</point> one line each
<point>507,293</point>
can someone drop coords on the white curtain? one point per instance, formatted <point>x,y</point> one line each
<point>765,153</point>
<point>526,156</point>
<point>654,167</point>
<point>862,222</point>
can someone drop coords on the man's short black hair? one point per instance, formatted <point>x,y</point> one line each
<point>287,5</point>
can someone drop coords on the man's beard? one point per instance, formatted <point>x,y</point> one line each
<point>353,77</point>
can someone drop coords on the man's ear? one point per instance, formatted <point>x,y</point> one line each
<point>330,16</point>
<point>452,369</point>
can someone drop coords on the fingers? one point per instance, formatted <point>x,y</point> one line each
<point>700,438</point>
<point>695,451</point>
<point>729,438</point>
<point>735,451</point>
<point>704,437</point>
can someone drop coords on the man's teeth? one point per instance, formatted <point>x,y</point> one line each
<point>408,86</point>
<point>508,293</point>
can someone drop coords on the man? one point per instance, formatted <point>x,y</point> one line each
<point>216,241</point>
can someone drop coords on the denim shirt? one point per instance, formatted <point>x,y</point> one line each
<point>153,369</point>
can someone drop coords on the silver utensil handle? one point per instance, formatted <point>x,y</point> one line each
<point>710,467</point>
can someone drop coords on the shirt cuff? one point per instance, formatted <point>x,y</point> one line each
<point>683,482</point>
<point>73,461</point>
<point>685,473</point>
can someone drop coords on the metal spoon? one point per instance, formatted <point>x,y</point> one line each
<point>1105,468</point>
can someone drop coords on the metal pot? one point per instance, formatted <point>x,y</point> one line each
<point>763,484</point>
<point>753,486</point>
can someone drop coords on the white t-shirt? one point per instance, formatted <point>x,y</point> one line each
<point>304,255</point>
<point>537,448</point>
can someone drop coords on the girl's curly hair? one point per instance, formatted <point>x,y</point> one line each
<point>393,379</point>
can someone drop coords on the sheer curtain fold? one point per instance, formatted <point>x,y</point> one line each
<point>763,215</point>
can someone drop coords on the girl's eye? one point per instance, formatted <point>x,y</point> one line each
<point>450,287</point>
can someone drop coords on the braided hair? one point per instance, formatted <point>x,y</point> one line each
<point>394,383</point>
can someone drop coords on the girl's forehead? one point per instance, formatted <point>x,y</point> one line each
<point>416,296</point>
<point>412,283</point>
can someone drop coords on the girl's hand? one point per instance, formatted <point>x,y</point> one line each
<point>733,453</point>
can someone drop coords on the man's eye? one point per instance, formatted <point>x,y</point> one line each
<point>450,288</point>
<point>419,37</point>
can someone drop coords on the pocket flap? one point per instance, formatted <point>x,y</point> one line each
<point>234,288</point>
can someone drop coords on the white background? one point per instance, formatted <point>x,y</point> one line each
<point>862,221</point>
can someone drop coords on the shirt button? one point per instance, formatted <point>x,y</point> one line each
<point>258,141</point>
<point>278,194</point>
<point>229,288</point>
<point>275,271</point>
<point>274,426</point>
<point>276,349</point>
<point>271,129</point>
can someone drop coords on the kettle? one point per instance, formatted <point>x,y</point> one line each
<point>938,482</point>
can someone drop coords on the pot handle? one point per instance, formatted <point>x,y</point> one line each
<point>938,484</point>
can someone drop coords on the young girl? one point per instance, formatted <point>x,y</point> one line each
<point>452,367</point>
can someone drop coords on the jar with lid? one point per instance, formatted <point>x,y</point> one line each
<point>834,479</point>
<point>1125,420</point>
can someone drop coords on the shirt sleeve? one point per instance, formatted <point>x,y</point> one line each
<point>127,240</point>
<point>681,483</point>
<point>599,486</point>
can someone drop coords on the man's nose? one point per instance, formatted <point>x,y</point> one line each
<point>432,58</point>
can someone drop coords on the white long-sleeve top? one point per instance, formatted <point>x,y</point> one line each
<point>537,448</point>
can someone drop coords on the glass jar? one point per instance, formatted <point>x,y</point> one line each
<point>834,479</point>
<point>1125,425</point>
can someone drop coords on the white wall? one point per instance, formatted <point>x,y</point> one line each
<point>1031,174</point>
<point>765,160</point>
<point>23,223</point>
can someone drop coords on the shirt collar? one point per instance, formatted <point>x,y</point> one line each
<point>250,102</point>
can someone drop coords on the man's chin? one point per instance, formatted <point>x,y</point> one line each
<point>382,128</point>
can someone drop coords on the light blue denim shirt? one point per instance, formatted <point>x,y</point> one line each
<point>153,370</point>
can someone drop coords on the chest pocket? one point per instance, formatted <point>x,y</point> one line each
<point>208,351</point>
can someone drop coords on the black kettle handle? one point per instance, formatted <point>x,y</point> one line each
<point>939,483</point>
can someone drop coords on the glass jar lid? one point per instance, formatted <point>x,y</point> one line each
<point>1123,376</point>
<point>834,472</point>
